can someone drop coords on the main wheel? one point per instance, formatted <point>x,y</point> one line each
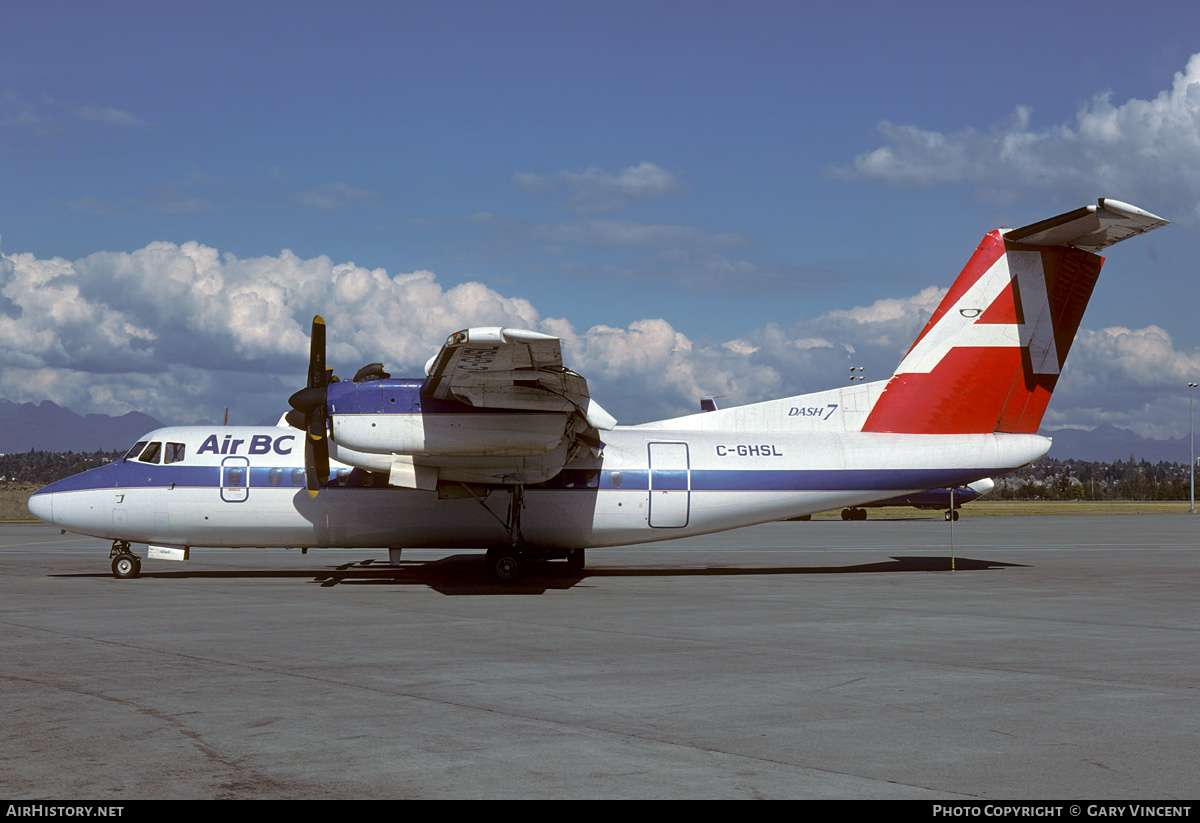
<point>126,566</point>
<point>847,514</point>
<point>504,565</point>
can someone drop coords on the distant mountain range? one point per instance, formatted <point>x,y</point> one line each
<point>1108,444</point>
<point>49,427</point>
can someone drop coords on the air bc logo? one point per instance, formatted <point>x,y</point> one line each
<point>259,444</point>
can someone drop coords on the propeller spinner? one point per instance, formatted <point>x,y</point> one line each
<point>311,402</point>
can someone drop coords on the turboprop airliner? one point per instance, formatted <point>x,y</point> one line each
<point>499,446</point>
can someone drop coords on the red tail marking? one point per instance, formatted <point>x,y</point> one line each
<point>988,359</point>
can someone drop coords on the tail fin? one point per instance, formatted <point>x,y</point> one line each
<point>989,358</point>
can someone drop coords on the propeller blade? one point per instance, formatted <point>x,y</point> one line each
<point>311,481</point>
<point>310,411</point>
<point>316,354</point>
<point>321,459</point>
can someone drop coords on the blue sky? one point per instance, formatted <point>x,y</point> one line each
<point>701,198</point>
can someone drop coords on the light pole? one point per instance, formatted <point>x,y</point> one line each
<point>1192,439</point>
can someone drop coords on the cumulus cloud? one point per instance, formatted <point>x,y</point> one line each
<point>597,191</point>
<point>179,331</point>
<point>1131,378</point>
<point>1138,147</point>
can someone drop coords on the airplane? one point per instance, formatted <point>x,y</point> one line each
<point>500,446</point>
<point>929,499</point>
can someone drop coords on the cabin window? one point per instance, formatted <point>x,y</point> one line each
<point>614,479</point>
<point>233,476</point>
<point>136,450</point>
<point>173,453</point>
<point>275,476</point>
<point>150,455</point>
<point>297,477</point>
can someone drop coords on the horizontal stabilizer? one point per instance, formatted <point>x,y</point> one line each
<point>1090,228</point>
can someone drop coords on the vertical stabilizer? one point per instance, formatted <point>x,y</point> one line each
<point>989,358</point>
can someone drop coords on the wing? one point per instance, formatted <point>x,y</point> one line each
<point>498,368</point>
<point>497,407</point>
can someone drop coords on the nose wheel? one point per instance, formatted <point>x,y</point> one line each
<point>125,564</point>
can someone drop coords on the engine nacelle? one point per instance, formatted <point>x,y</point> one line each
<point>480,433</point>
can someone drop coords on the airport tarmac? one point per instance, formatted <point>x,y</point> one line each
<point>1061,660</point>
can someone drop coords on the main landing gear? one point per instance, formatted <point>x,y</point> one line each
<point>952,514</point>
<point>505,564</point>
<point>854,514</point>
<point>125,564</point>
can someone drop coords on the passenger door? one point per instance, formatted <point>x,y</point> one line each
<point>670,485</point>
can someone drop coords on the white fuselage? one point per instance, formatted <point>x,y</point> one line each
<point>244,486</point>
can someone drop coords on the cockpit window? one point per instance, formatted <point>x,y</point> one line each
<point>150,455</point>
<point>136,450</point>
<point>173,453</point>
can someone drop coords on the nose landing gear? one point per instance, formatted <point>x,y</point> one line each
<point>125,564</point>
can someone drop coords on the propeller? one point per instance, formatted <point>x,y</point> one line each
<point>311,403</point>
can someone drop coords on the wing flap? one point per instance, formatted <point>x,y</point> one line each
<point>499,368</point>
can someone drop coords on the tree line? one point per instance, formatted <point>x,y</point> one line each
<point>1050,479</point>
<point>46,467</point>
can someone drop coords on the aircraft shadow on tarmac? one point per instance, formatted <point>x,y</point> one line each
<point>463,574</point>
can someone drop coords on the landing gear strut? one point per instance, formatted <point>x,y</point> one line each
<point>575,560</point>
<point>504,562</point>
<point>125,564</point>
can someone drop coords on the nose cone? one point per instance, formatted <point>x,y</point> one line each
<point>41,506</point>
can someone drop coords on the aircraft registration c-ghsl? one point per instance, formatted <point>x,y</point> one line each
<point>500,446</point>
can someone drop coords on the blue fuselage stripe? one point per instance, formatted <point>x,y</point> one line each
<point>129,474</point>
